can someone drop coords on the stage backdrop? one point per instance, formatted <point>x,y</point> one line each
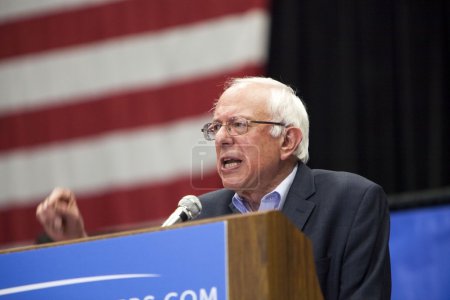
<point>375,78</point>
<point>108,98</point>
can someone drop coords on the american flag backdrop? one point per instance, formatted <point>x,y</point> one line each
<point>107,98</point>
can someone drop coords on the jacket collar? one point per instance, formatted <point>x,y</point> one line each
<point>297,207</point>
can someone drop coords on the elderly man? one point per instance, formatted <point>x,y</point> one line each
<point>260,128</point>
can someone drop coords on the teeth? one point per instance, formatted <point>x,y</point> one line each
<point>230,164</point>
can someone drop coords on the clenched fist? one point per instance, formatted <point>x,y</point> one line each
<point>60,216</point>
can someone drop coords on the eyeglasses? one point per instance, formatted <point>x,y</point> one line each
<point>235,126</point>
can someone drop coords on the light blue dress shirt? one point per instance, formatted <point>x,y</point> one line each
<point>271,201</point>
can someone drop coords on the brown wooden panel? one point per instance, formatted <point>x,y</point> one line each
<point>270,259</point>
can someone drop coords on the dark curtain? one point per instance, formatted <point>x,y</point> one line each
<point>375,77</point>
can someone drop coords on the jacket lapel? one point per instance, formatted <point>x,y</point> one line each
<point>297,208</point>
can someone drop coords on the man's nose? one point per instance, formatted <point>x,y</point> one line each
<point>222,135</point>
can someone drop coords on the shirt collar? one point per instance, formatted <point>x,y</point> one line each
<point>271,201</point>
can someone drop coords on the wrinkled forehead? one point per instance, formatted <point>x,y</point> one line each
<point>249,101</point>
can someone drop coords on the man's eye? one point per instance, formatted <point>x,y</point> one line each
<point>239,125</point>
<point>215,127</point>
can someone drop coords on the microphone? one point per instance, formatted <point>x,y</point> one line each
<point>188,208</point>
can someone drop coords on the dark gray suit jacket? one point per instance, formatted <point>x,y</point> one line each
<point>346,217</point>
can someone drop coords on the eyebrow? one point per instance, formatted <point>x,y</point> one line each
<point>235,116</point>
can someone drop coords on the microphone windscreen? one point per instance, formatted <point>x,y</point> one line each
<point>192,205</point>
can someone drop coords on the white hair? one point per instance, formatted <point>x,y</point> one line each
<point>284,106</point>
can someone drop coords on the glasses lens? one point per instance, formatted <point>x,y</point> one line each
<point>238,126</point>
<point>209,130</point>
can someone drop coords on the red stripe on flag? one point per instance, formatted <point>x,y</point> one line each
<point>110,209</point>
<point>115,19</point>
<point>120,111</point>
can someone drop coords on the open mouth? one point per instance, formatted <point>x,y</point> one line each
<point>230,163</point>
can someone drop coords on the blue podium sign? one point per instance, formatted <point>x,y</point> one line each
<point>188,263</point>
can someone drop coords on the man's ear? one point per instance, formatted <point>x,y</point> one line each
<point>292,137</point>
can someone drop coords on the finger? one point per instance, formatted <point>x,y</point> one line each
<point>39,209</point>
<point>47,216</point>
<point>45,203</point>
<point>58,225</point>
<point>58,193</point>
<point>58,198</point>
<point>65,209</point>
<point>42,211</point>
<point>43,207</point>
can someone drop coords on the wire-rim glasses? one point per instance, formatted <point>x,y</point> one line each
<point>234,126</point>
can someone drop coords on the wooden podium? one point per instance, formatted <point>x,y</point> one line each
<point>254,256</point>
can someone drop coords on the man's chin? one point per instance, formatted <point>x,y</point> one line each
<point>237,184</point>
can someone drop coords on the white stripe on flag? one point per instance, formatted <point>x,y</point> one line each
<point>14,9</point>
<point>133,62</point>
<point>121,158</point>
